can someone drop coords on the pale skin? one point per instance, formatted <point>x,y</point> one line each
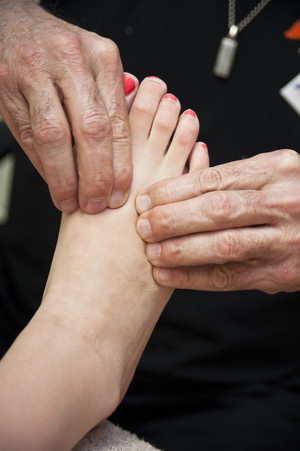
<point>231,227</point>
<point>58,81</point>
<point>72,364</point>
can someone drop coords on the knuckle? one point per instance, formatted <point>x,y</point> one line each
<point>287,275</point>
<point>209,180</point>
<point>120,128</point>
<point>95,126</point>
<point>162,223</point>
<point>109,50</point>
<point>228,248</point>
<point>63,188</point>
<point>25,135</point>
<point>98,182</point>
<point>68,44</point>
<point>220,278</point>
<point>123,176</point>
<point>220,207</point>
<point>47,132</point>
<point>174,250</point>
<point>287,158</point>
<point>189,278</point>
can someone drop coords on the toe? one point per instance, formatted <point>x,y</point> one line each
<point>131,84</point>
<point>199,157</point>
<point>165,122</point>
<point>144,107</point>
<point>183,142</point>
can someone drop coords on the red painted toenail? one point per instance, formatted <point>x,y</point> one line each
<point>171,97</point>
<point>204,146</point>
<point>128,84</point>
<point>190,113</point>
<point>153,76</point>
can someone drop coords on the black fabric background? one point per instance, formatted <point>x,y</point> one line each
<point>222,370</point>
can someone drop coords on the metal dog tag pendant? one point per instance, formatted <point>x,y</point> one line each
<point>225,57</point>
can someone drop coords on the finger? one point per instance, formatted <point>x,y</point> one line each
<point>252,174</point>
<point>199,157</point>
<point>211,211</point>
<point>109,80</point>
<point>131,86</point>
<point>229,277</point>
<point>234,245</point>
<point>122,160</point>
<point>52,142</point>
<point>91,127</point>
<point>15,114</point>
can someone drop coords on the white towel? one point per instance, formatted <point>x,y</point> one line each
<point>109,437</point>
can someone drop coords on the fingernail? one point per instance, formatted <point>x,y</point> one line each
<point>143,228</point>
<point>128,83</point>
<point>190,113</point>
<point>95,205</point>
<point>116,199</point>
<point>163,275</point>
<point>171,97</point>
<point>69,205</point>
<point>143,203</point>
<point>153,251</point>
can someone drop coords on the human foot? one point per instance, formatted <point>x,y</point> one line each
<point>100,264</point>
<point>100,286</point>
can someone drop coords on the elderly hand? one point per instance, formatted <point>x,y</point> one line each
<point>58,84</point>
<point>231,227</point>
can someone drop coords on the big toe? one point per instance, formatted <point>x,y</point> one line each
<point>144,108</point>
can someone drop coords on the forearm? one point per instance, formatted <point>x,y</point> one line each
<point>54,387</point>
<point>72,364</point>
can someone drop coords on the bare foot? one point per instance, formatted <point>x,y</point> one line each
<point>100,262</point>
<point>109,245</point>
<point>100,287</point>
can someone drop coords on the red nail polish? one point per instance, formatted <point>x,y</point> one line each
<point>204,146</point>
<point>153,76</point>
<point>128,84</point>
<point>171,97</point>
<point>190,113</point>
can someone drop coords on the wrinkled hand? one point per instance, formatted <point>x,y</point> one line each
<point>58,84</point>
<point>236,226</point>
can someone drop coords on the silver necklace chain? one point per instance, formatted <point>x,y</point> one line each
<point>247,19</point>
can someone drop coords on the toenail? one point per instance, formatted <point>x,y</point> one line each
<point>153,251</point>
<point>116,199</point>
<point>143,203</point>
<point>190,113</point>
<point>128,84</point>
<point>156,79</point>
<point>95,205</point>
<point>171,97</point>
<point>143,228</point>
<point>203,146</point>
